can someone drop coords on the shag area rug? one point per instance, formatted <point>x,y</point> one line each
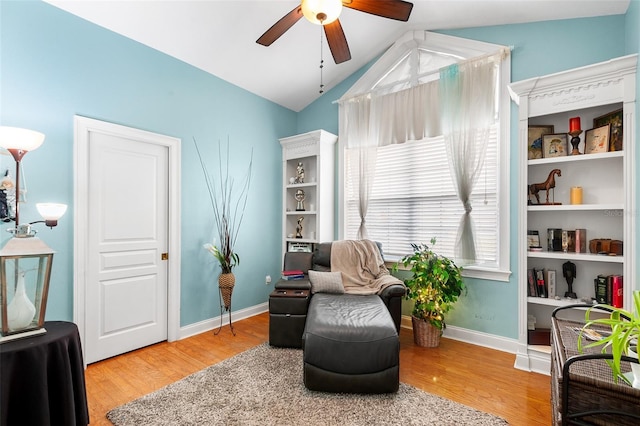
<point>263,386</point>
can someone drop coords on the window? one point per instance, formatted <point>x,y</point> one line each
<point>413,198</point>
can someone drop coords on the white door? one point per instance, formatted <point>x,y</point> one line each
<point>126,275</point>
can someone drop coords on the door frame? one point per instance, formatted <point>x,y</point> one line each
<point>83,126</point>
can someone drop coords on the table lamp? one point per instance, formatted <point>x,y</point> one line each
<point>25,261</point>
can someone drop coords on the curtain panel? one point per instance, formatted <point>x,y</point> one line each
<point>468,104</point>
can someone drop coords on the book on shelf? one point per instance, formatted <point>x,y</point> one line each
<point>600,283</point>
<point>532,291</point>
<point>550,282</point>
<point>581,240</point>
<point>292,272</point>
<point>568,241</point>
<point>609,290</point>
<point>540,284</point>
<point>617,292</point>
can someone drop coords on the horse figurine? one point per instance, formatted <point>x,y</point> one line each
<point>534,188</point>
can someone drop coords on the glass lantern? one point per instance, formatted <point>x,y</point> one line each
<point>25,270</point>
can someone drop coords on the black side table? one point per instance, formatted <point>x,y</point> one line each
<point>287,316</point>
<point>42,379</point>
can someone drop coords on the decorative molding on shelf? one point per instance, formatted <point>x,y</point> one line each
<point>598,84</point>
<point>306,144</point>
<point>571,95</point>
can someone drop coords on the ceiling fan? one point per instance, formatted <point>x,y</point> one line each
<point>326,12</point>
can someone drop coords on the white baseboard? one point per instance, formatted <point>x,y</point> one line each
<point>214,323</point>
<point>471,336</point>
<point>539,363</point>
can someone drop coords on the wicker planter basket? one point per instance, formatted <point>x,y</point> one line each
<point>425,334</point>
<point>226,282</point>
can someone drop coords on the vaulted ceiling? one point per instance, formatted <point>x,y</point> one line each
<point>220,36</point>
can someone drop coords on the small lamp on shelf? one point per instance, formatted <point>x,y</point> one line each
<point>25,261</point>
<point>575,131</point>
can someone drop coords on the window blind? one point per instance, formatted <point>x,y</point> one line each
<point>413,199</point>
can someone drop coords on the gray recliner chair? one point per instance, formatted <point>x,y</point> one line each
<point>350,341</point>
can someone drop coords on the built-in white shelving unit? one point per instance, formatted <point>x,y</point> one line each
<point>608,209</point>
<point>315,152</point>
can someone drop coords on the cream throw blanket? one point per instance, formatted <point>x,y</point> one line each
<point>362,267</point>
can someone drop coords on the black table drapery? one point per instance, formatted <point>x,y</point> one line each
<point>42,379</point>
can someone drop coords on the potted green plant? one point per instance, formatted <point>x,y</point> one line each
<point>620,339</point>
<point>434,286</point>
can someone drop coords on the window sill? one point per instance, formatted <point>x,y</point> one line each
<point>470,272</point>
<point>486,274</point>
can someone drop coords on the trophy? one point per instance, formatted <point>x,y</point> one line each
<point>299,174</point>
<point>299,227</point>
<point>300,199</point>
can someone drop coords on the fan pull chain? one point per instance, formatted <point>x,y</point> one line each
<point>321,61</point>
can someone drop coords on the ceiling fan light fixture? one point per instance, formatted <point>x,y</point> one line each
<point>321,12</point>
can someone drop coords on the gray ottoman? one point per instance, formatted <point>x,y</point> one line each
<point>350,345</point>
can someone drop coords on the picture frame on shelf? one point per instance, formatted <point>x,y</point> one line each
<point>596,140</point>
<point>534,145</point>
<point>614,118</point>
<point>533,240</point>
<point>555,145</point>
<point>300,247</point>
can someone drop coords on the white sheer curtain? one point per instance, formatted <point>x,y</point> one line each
<point>368,122</point>
<point>360,134</point>
<point>468,105</point>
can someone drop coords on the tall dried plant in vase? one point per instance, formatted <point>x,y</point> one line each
<point>228,212</point>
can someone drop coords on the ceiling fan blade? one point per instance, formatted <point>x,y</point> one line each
<point>280,27</point>
<point>337,42</point>
<point>392,9</point>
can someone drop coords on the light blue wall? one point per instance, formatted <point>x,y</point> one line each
<point>539,48</point>
<point>55,65</point>
<point>632,27</point>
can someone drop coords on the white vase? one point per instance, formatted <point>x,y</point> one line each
<point>21,310</point>
<point>635,368</point>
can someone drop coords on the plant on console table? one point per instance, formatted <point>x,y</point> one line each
<point>228,212</point>
<point>621,337</point>
<point>435,285</point>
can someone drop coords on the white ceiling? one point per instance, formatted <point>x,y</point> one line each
<point>219,36</point>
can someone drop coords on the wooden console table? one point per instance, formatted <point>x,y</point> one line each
<point>42,379</point>
<point>583,391</point>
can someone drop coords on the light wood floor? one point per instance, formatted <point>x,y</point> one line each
<point>478,377</point>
